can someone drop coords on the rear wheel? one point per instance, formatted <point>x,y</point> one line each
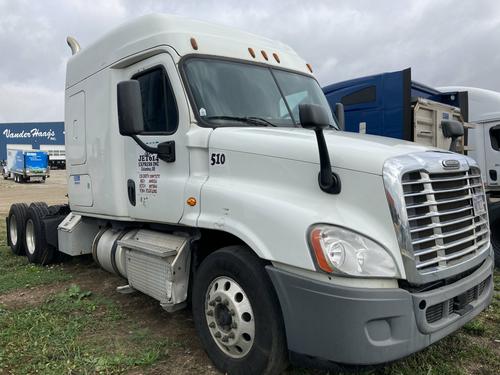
<point>237,315</point>
<point>17,219</point>
<point>37,248</point>
<point>494,216</point>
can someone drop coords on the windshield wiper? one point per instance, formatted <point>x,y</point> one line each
<point>259,121</point>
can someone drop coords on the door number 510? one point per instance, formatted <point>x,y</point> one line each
<point>217,159</point>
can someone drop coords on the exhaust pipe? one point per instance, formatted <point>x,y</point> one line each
<point>73,44</point>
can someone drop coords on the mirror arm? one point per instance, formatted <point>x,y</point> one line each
<point>328,181</point>
<point>164,150</point>
<point>454,144</point>
<point>145,147</point>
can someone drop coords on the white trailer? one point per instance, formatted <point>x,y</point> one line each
<point>57,155</point>
<point>204,165</point>
<point>484,147</point>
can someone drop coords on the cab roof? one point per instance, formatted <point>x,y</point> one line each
<point>159,30</point>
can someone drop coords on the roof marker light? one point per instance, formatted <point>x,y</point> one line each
<point>309,67</point>
<point>251,51</point>
<point>194,44</point>
<point>276,57</point>
<point>264,54</point>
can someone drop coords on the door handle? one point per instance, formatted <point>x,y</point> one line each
<point>131,191</point>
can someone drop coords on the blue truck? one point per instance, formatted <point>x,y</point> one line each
<point>384,104</point>
<point>26,165</point>
<point>393,105</point>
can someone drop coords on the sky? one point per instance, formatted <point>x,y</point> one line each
<point>445,42</point>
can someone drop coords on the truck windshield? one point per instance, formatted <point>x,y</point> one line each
<point>228,93</point>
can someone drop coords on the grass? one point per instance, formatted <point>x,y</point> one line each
<point>74,332</point>
<point>16,272</point>
<point>78,332</point>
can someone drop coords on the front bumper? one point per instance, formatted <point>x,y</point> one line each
<point>362,326</point>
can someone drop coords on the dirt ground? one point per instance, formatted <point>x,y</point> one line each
<point>53,191</point>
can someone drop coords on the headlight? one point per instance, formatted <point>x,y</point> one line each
<point>344,252</point>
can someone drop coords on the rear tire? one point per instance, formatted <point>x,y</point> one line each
<point>241,327</point>
<point>17,219</point>
<point>494,215</point>
<point>37,249</point>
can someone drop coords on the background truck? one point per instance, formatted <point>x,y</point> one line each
<point>26,165</point>
<point>393,105</point>
<point>204,166</point>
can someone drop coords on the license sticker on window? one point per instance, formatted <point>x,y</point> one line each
<point>478,204</point>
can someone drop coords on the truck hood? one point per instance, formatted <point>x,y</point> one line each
<point>359,152</point>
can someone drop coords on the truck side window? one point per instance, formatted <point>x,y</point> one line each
<point>365,95</point>
<point>495,137</point>
<point>158,102</point>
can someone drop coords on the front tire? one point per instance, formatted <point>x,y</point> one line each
<point>17,219</point>
<point>237,315</point>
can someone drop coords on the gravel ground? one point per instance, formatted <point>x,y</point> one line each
<point>53,191</point>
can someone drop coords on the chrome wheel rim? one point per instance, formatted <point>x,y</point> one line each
<point>230,317</point>
<point>30,236</point>
<point>13,230</point>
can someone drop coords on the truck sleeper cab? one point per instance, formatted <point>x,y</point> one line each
<point>193,173</point>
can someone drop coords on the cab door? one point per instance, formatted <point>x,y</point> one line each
<point>155,187</point>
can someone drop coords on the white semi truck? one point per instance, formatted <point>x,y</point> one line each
<point>204,166</point>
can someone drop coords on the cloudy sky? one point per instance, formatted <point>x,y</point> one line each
<point>445,42</point>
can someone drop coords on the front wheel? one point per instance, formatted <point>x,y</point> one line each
<point>237,315</point>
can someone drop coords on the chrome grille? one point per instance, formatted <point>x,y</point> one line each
<point>444,228</point>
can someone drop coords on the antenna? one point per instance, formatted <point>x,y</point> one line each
<point>73,44</point>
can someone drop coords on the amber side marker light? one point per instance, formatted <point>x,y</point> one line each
<point>276,57</point>
<point>318,251</point>
<point>191,201</point>
<point>264,54</point>
<point>309,67</point>
<point>194,44</point>
<point>251,51</point>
